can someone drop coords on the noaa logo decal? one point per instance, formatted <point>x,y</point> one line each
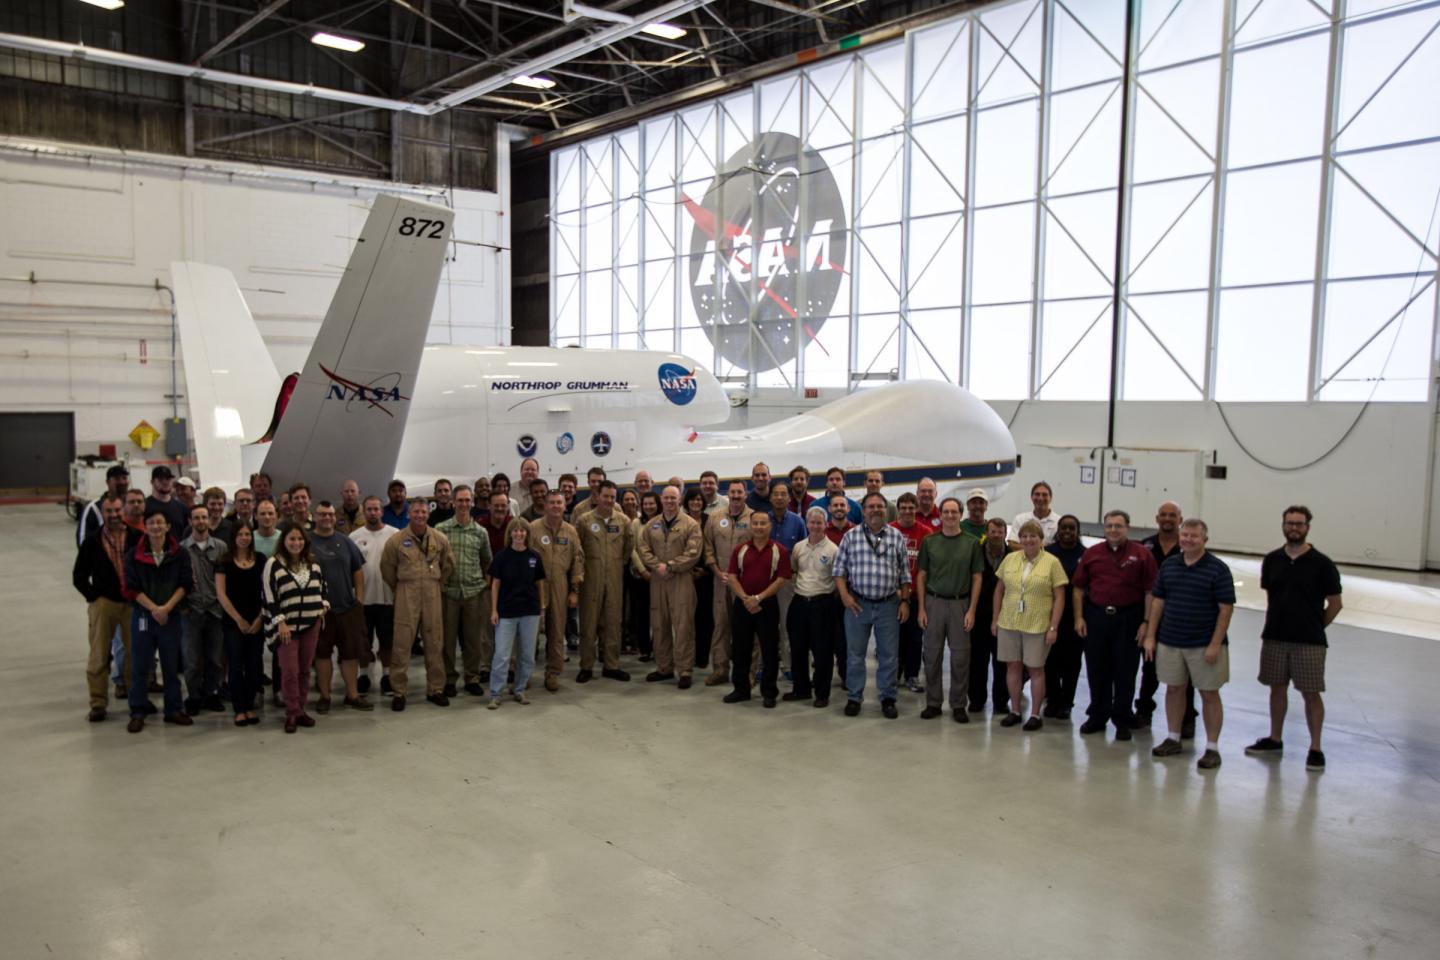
<point>677,383</point>
<point>600,443</point>
<point>565,442</point>
<point>526,446</point>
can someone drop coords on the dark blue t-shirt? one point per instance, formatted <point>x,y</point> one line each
<point>518,575</point>
<point>1192,594</point>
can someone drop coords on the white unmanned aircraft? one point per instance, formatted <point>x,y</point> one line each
<point>374,403</point>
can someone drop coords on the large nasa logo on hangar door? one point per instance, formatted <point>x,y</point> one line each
<point>768,246</point>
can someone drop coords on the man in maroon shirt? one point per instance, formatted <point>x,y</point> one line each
<point>839,509</point>
<point>497,520</point>
<point>1112,604</point>
<point>759,567</point>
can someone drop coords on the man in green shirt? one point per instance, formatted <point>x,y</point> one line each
<point>947,586</point>
<point>466,602</point>
<point>975,506</point>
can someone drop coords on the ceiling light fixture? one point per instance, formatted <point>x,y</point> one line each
<point>534,83</point>
<point>665,31</point>
<point>105,4</point>
<point>337,42</point>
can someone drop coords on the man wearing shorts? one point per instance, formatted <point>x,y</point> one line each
<point>343,630</point>
<point>1190,609</point>
<point>1302,591</point>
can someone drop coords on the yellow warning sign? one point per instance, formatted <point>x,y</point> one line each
<point>144,435</point>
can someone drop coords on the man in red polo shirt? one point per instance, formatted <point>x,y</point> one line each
<point>839,510</point>
<point>759,567</point>
<point>908,522</point>
<point>497,521</point>
<point>1112,605</point>
<point>928,511</point>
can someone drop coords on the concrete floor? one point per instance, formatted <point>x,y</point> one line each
<point>634,821</point>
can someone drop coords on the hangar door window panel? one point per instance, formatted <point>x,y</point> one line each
<point>878,270</point>
<point>877,349</point>
<point>1368,239</point>
<point>1390,73</point>
<point>1088,42</point>
<point>936,255</point>
<point>827,354</point>
<point>627,163</point>
<point>1170,235</point>
<point>1270,224</point>
<point>567,310</point>
<point>737,125</point>
<point>1075,350</point>
<point>1263,351</point>
<point>627,300</point>
<point>1009,55</point>
<point>696,344</point>
<point>1005,154</point>
<point>627,231</point>
<point>657,318</point>
<point>1277,103</point>
<point>830,104</point>
<point>1164,337</point>
<point>699,146</point>
<point>882,91</point>
<point>1179,31</point>
<point>598,288</point>
<point>940,66</point>
<point>1084,139</point>
<point>658,224</point>
<point>882,167</point>
<point>599,241</point>
<point>932,345</point>
<point>1175,116</point>
<point>780,105</point>
<point>565,254</point>
<point>937,166</point>
<point>1002,263</point>
<point>1376,340</point>
<point>1259,20</point>
<point>565,176</point>
<point>1080,245</point>
<point>998,364</point>
<point>658,153</point>
<point>598,172</point>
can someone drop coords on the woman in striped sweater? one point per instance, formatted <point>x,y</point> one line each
<point>295,606</point>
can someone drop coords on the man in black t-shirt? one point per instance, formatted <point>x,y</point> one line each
<point>1162,545</point>
<point>1302,589</point>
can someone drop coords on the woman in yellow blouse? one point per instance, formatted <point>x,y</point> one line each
<point>1029,599</point>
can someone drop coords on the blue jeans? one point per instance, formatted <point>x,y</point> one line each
<point>883,617</point>
<point>146,636</point>
<point>506,634</point>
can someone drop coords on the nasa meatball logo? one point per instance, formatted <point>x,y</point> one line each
<point>565,443</point>
<point>526,446</point>
<point>677,383</point>
<point>600,443</point>
<point>767,251</point>
<point>382,390</point>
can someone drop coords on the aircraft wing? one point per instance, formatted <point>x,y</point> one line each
<point>347,415</point>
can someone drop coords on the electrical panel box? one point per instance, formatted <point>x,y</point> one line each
<point>177,441</point>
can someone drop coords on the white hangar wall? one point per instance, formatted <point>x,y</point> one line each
<point>98,229</point>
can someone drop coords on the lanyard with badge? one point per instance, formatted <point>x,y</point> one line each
<point>1026,569</point>
<point>876,543</point>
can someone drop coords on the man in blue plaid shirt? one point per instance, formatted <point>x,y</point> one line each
<point>872,575</point>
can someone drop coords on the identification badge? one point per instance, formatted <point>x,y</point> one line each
<point>1020,607</point>
<point>613,529</point>
<point>142,624</point>
<point>407,544</point>
<point>562,541</point>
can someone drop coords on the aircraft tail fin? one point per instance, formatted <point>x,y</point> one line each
<point>347,414</point>
<point>230,378</point>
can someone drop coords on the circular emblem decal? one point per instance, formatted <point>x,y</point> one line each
<point>565,442</point>
<point>677,383</point>
<point>600,443</point>
<point>594,528</point>
<point>526,446</point>
<point>748,240</point>
<point>724,522</point>
<point>545,539</point>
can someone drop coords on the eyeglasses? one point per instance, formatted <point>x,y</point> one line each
<point>1295,523</point>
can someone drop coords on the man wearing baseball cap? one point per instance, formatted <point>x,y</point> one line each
<point>117,481</point>
<point>976,503</point>
<point>162,498</point>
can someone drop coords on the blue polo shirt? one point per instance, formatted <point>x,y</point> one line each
<point>788,530</point>
<point>1192,594</point>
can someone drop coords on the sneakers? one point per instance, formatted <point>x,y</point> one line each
<point>1210,761</point>
<point>494,704</point>
<point>616,674</point>
<point>887,708</point>
<point>852,708</point>
<point>1033,724</point>
<point>1315,760</point>
<point>914,685</point>
<point>929,713</point>
<point>385,686</point>
<point>1169,747</point>
<point>1265,746</point>
<point>521,698</point>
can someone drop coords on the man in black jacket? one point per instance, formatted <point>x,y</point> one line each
<point>985,669</point>
<point>99,568</point>
<point>157,578</point>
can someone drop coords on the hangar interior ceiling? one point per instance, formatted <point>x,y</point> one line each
<point>416,52</point>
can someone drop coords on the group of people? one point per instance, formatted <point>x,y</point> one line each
<point>761,581</point>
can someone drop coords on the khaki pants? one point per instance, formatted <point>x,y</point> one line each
<point>105,616</point>
<point>417,608</point>
<point>468,622</point>
<point>720,638</point>
<point>556,613</point>
<point>600,610</point>
<point>672,621</point>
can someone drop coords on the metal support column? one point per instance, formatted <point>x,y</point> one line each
<point>1042,163</point>
<point>1327,194</point>
<point>1217,206</point>
<point>1122,210</point>
<point>967,267</point>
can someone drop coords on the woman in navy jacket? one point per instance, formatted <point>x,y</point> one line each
<point>157,577</point>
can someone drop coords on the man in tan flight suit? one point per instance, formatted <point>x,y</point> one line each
<point>670,546</point>
<point>558,544</point>
<point>725,531</point>
<point>608,538</point>
<point>414,563</point>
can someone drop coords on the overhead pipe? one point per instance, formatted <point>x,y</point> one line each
<point>130,61</point>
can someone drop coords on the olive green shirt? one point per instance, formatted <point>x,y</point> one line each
<point>950,563</point>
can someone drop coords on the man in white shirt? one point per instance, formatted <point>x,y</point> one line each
<point>1040,512</point>
<point>379,600</point>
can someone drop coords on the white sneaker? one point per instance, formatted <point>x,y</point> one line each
<point>494,704</point>
<point>521,698</point>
